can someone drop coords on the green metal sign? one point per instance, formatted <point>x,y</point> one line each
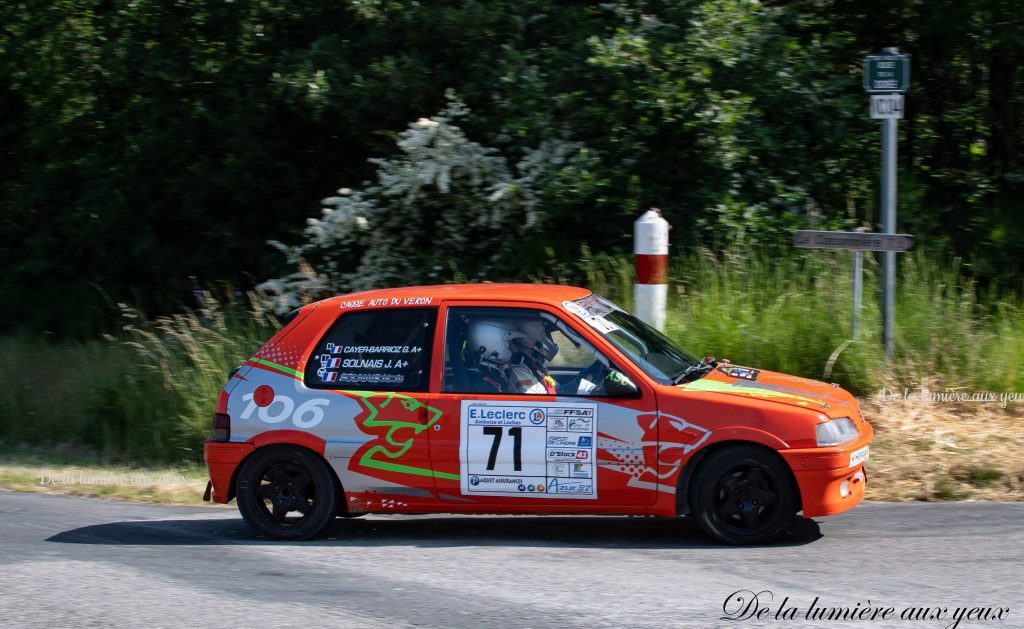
<point>886,74</point>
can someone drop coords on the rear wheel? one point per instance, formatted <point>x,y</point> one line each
<point>286,492</point>
<point>744,495</point>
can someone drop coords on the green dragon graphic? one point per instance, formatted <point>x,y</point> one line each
<point>390,413</point>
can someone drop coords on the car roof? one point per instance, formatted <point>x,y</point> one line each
<point>544,293</point>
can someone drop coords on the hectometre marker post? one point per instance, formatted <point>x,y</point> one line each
<point>650,246</point>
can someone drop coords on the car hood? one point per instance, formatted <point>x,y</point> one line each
<point>777,387</point>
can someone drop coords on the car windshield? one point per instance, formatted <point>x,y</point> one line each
<point>649,349</point>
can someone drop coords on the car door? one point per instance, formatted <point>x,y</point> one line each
<point>579,448</point>
<point>378,360</point>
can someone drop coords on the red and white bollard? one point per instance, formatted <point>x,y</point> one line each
<point>650,246</point>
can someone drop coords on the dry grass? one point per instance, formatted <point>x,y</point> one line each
<point>945,450</point>
<point>157,486</point>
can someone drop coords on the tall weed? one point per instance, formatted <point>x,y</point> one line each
<point>146,396</point>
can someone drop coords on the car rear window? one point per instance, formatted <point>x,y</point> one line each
<point>377,350</point>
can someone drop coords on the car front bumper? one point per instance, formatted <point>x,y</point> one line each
<point>831,480</point>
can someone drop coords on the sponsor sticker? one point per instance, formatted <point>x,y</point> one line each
<point>595,305</point>
<point>561,454</point>
<point>558,469</point>
<point>569,440</point>
<point>567,487</point>
<point>602,325</point>
<point>516,448</point>
<point>581,470</point>
<point>580,424</point>
<point>574,308</point>
<point>593,310</point>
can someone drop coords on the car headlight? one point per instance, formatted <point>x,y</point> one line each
<point>835,432</point>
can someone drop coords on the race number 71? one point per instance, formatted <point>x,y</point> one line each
<point>495,433</point>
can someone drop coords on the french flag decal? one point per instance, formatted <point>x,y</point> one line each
<point>330,376</point>
<point>336,349</point>
<point>332,363</point>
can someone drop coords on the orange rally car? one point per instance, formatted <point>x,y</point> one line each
<point>510,398</point>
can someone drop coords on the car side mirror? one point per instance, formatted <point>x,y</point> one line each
<point>617,384</point>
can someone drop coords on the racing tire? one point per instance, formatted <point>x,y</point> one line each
<point>286,492</point>
<point>744,495</point>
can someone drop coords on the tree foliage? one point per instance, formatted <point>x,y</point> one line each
<point>150,147</point>
<point>444,200</point>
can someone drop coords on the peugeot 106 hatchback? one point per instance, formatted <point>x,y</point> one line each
<point>521,399</point>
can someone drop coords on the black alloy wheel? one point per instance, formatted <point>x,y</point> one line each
<point>286,492</point>
<point>745,495</point>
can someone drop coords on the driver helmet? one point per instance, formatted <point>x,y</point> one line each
<point>537,338</point>
<point>491,340</point>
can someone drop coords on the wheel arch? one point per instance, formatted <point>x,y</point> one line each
<point>278,443</point>
<point>685,486</point>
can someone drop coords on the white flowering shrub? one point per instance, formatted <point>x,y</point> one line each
<point>445,207</point>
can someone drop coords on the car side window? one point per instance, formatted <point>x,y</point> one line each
<point>522,351</point>
<point>381,350</point>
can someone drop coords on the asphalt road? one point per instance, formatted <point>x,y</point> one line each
<point>82,562</point>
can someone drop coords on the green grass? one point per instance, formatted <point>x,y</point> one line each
<point>147,396</point>
<point>978,476</point>
<point>793,314</point>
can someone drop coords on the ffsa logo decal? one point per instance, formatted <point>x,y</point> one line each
<point>274,409</point>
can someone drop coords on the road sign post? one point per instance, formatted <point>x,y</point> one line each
<point>858,288</point>
<point>888,194</point>
<point>857,241</point>
<point>858,283</point>
<point>886,77</point>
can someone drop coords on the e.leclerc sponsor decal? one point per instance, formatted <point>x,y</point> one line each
<point>499,416</point>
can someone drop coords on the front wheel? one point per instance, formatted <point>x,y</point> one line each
<point>744,495</point>
<point>286,492</point>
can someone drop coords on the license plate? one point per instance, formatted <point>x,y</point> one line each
<point>859,456</point>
